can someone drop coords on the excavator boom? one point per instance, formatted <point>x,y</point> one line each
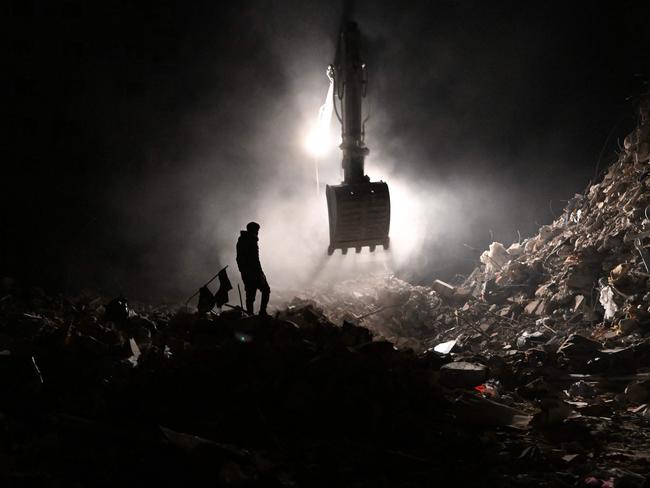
<point>358,209</point>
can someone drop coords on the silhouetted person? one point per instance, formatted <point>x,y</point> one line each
<point>248,260</point>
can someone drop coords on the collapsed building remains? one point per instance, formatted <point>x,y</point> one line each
<point>532,371</point>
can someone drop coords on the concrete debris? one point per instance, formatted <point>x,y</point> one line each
<point>213,400</point>
<point>495,259</point>
<point>608,303</point>
<point>560,320</point>
<point>476,410</point>
<point>537,366</point>
<point>445,347</point>
<point>462,374</point>
<point>443,289</point>
<point>638,392</point>
<point>135,352</point>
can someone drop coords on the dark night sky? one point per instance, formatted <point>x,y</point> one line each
<point>132,124</point>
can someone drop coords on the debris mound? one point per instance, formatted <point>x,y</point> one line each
<point>533,371</point>
<point>588,270</point>
<point>550,333</point>
<point>392,309</point>
<point>100,392</point>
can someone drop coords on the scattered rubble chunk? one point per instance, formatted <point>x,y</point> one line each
<point>443,289</point>
<point>462,374</point>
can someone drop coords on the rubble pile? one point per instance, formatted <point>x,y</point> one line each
<point>533,371</point>
<point>554,330</point>
<point>97,394</point>
<point>402,313</point>
<point>586,273</point>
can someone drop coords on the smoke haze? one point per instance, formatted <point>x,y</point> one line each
<point>167,139</point>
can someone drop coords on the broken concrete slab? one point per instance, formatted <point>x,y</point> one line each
<point>463,374</point>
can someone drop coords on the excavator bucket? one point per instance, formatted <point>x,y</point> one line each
<point>359,210</point>
<point>359,216</point>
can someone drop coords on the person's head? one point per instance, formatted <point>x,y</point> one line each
<point>253,227</point>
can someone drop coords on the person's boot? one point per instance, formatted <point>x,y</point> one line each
<point>249,306</point>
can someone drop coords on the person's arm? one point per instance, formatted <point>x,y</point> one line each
<point>258,265</point>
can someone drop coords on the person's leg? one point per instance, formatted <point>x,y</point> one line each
<point>250,290</point>
<point>266,293</point>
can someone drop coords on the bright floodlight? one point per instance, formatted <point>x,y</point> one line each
<point>318,141</point>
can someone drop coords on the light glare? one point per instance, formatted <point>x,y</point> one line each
<point>318,141</point>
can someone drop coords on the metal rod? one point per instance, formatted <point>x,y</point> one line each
<point>211,280</point>
<point>645,258</point>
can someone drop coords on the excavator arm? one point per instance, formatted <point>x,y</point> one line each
<point>358,209</point>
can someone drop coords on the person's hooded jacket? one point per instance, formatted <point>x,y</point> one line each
<point>248,255</point>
